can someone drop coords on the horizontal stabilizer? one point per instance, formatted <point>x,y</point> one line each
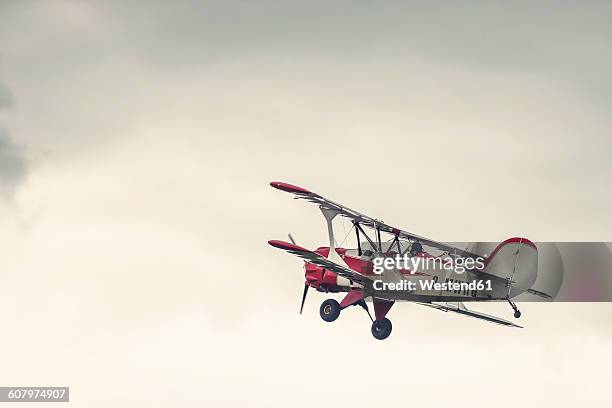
<point>538,293</point>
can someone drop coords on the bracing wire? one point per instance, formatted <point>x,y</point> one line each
<point>347,234</point>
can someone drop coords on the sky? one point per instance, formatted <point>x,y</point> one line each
<point>136,147</point>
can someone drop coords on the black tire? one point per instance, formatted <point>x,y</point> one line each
<point>381,329</point>
<point>517,314</point>
<point>329,310</point>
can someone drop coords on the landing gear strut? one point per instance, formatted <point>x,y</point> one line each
<point>517,312</point>
<point>381,329</point>
<point>329,310</point>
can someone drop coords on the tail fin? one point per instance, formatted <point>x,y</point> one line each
<point>515,260</point>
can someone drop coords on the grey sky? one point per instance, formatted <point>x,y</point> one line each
<point>151,133</point>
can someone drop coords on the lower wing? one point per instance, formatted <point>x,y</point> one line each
<point>459,307</point>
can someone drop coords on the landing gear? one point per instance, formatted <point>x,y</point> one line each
<point>381,329</point>
<point>381,326</point>
<point>329,310</point>
<point>517,312</point>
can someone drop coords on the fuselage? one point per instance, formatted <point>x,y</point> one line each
<point>492,282</point>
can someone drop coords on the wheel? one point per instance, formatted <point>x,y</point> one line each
<point>517,314</point>
<point>329,310</point>
<point>381,329</point>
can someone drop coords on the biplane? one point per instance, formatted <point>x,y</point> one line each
<point>509,270</point>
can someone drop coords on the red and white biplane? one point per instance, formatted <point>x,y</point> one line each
<point>509,270</point>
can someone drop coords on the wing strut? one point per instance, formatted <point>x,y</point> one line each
<point>372,244</point>
<point>356,224</point>
<point>329,215</point>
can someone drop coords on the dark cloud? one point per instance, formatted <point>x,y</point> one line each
<point>13,162</point>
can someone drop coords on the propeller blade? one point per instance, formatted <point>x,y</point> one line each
<point>306,285</point>
<point>304,297</point>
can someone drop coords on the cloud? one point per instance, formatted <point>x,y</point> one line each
<point>148,216</point>
<point>13,162</point>
<point>6,97</point>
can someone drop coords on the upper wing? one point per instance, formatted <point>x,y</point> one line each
<point>321,261</point>
<point>460,308</point>
<point>362,219</point>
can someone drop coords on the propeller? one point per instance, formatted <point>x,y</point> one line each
<point>306,286</point>
<point>304,297</point>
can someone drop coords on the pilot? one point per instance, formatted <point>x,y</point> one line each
<point>415,249</point>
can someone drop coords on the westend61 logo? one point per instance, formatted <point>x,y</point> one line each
<point>419,263</point>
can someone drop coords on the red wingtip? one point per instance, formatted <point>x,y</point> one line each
<point>286,245</point>
<point>289,188</point>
